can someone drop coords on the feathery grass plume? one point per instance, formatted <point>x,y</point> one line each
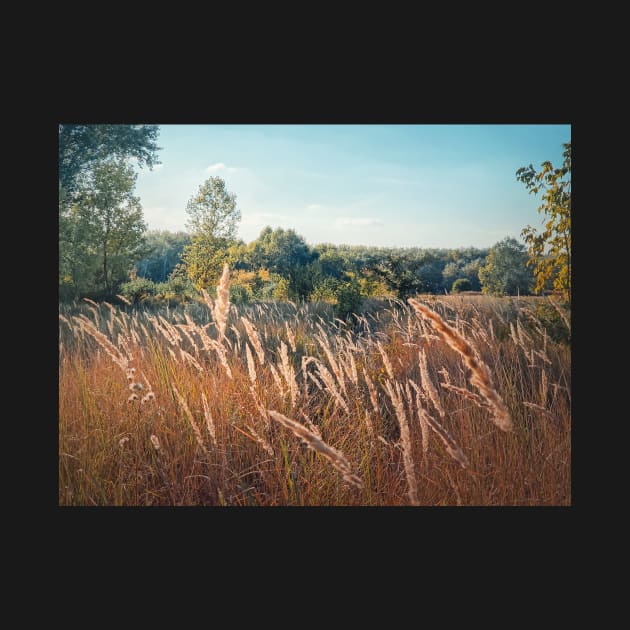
<point>254,337</point>
<point>316,381</point>
<point>66,320</point>
<point>427,384</point>
<point>466,393</point>
<point>349,367</point>
<point>451,446</point>
<point>542,356</point>
<point>424,425</point>
<point>479,371</point>
<point>258,438</point>
<point>538,408</point>
<point>193,424</point>
<point>261,409</point>
<point>288,372</point>
<point>122,298</point>
<point>386,361</point>
<point>125,344</point>
<point>114,353</point>
<point>209,420</point>
<point>155,441</point>
<point>110,327</point>
<point>372,390</point>
<point>313,427</point>
<point>277,380</point>
<point>236,333</point>
<point>563,314</point>
<point>189,357</point>
<point>136,338</point>
<point>207,299</point>
<point>405,439</point>
<point>251,367</point>
<point>329,381</point>
<point>323,341</point>
<point>304,367</point>
<point>220,350</point>
<point>290,337</point>
<point>354,377</point>
<point>184,329</point>
<point>172,330</point>
<point>222,303</point>
<point>335,457</point>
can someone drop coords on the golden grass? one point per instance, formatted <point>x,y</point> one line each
<point>380,428</point>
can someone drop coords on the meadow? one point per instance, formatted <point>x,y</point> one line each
<point>436,401</point>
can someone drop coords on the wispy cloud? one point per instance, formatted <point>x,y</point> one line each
<point>313,206</point>
<point>220,166</point>
<point>357,222</point>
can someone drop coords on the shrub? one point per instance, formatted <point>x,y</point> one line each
<point>240,294</point>
<point>349,299</point>
<point>325,290</point>
<point>461,284</point>
<point>138,289</point>
<point>175,289</point>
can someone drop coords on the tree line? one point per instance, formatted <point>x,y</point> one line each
<point>105,249</point>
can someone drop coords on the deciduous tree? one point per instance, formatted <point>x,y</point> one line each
<point>550,250</point>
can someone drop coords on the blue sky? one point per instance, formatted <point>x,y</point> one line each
<point>387,185</point>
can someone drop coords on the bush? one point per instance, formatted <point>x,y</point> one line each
<point>461,284</point>
<point>240,294</point>
<point>176,289</point>
<point>325,291</point>
<point>553,323</point>
<point>349,299</point>
<point>138,289</point>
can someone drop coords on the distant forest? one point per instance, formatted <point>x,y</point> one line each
<point>106,251</point>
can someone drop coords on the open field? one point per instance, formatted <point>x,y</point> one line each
<point>293,407</point>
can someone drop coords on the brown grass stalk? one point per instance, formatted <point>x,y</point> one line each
<point>480,373</point>
<point>335,457</point>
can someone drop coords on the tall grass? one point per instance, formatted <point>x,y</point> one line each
<point>444,401</point>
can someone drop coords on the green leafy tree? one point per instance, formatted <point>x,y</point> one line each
<point>213,219</point>
<point>287,254</point>
<point>461,284</point>
<point>401,274</point>
<point>550,250</point>
<point>114,222</point>
<point>349,299</point>
<point>470,272</point>
<point>81,147</point>
<point>506,271</point>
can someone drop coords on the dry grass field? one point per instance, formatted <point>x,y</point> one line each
<point>444,400</point>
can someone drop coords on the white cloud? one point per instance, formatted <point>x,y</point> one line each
<point>357,222</point>
<point>313,206</point>
<point>220,166</point>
